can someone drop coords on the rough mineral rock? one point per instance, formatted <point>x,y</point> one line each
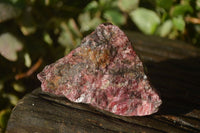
<point>104,72</point>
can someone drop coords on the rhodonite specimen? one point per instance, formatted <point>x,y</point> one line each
<point>105,72</point>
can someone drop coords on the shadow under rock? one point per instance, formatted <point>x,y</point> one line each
<point>178,82</point>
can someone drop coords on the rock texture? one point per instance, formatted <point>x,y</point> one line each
<point>104,72</point>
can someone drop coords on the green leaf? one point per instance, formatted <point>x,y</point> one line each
<point>74,28</point>
<point>106,4</point>
<point>18,87</point>
<point>198,4</point>
<point>27,23</point>
<point>84,20</point>
<point>165,28</point>
<point>181,10</point>
<point>173,34</point>
<point>27,30</point>
<point>179,23</point>
<point>95,22</point>
<point>145,19</point>
<point>115,17</point>
<point>8,11</point>
<point>4,115</point>
<point>47,39</point>
<point>87,23</point>
<point>128,5</point>
<point>166,4</point>
<point>13,99</point>
<point>93,5</point>
<point>27,59</point>
<point>9,46</point>
<point>65,38</point>
<point>103,2</point>
<point>68,36</point>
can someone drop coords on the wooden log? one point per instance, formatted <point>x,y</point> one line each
<point>173,68</point>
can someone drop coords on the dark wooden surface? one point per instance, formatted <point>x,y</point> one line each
<point>173,68</point>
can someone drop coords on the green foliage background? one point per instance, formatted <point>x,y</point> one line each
<point>34,33</point>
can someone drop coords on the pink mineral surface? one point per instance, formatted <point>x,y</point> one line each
<point>105,72</point>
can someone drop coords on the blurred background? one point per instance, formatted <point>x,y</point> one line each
<point>34,33</point>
